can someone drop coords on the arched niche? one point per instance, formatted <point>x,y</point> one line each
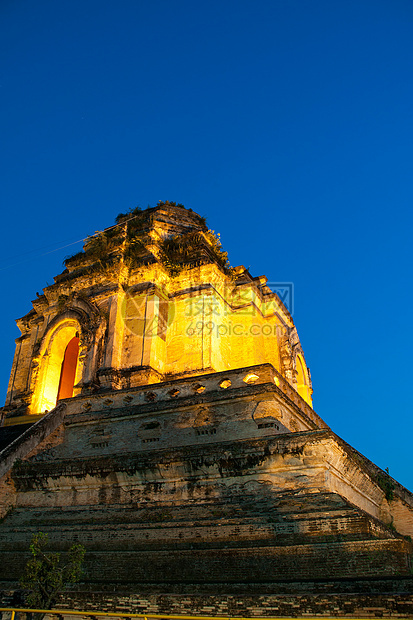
<point>68,369</point>
<point>303,381</point>
<point>59,367</point>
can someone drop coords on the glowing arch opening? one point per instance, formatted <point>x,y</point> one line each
<point>58,367</point>
<point>303,383</point>
<point>68,371</point>
<point>301,375</point>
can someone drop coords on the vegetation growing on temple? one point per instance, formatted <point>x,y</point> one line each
<point>195,248</point>
<point>130,239</point>
<point>45,576</point>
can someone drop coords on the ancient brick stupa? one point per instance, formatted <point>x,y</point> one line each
<point>159,411</point>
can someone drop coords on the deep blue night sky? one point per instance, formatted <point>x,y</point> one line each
<point>287,123</point>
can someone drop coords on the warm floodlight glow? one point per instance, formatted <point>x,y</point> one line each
<point>251,378</point>
<point>225,384</point>
<point>68,372</point>
<point>56,369</point>
<point>303,383</point>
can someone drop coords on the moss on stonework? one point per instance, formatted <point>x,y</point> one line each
<point>130,239</point>
<point>122,217</point>
<point>239,465</point>
<point>7,512</point>
<point>158,516</point>
<point>74,259</point>
<point>191,249</point>
<point>125,238</point>
<point>386,485</point>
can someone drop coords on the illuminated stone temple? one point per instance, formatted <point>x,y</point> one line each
<point>159,411</point>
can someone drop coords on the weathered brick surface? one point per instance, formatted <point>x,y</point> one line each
<point>353,605</point>
<point>189,461</point>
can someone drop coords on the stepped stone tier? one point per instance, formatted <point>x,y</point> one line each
<point>159,412</point>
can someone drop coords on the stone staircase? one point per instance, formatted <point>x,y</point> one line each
<point>272,540</point>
